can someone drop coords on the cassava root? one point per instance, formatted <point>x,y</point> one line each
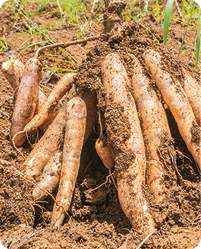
<point>154,125</point>
<point>27,100</point>
<point>134,149</point>
<point>76,114</point>
<point>13,71</point>
<point>176,99</point>
<point>130,177</point>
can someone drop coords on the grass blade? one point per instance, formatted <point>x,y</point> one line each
<point>53,58</point>
<point>33,44</point>
<point>166,20</point>
<point>60,69</point>
<point>197,42</point>
<point>186,6</point>
<point>187,28</point>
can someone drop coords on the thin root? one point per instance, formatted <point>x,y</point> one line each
<point>15,145</point>
<point>107,177</point>
<point>111,175</point>
<point>165,162</point>
<point>146,239</point>
<point>179,152</point>
<point>35,185</point>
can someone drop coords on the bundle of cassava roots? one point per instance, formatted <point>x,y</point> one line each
<point>141,125</point>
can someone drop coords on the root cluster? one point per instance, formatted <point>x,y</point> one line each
<point>125,82</point>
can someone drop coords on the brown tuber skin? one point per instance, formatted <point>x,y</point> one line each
<point>102,149</point>
<point>154,126</point>
<point>44,149</point>
<point>74,137</point>
<point>104,153</point>
<point>50,177</point>
<point>13,70</point>
<point>192,90</point>
<point>51,173</point>
<point>27,100</point>
<point>48,108</point>
<point>130,178</point>
<point>91,101</point>
<point>175,97</point>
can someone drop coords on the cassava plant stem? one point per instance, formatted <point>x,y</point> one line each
<point>66,44</point>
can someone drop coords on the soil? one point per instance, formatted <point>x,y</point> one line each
<point>96,218</point>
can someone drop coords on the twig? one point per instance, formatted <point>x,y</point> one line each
<point>146,239</point>
<point>82,48</point>
<point>88,166</point>
<point>111,175</point>
<point>32,234</point>
<point>100,123</point>
<point>20,132</point>
<point>65,44</point>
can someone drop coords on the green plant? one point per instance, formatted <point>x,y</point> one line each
<point>60,69</point>
<point>191,13</point>
<point>167,19</point>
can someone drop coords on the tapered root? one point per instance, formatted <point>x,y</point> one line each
<point>154,127</point>
<point>127,142</point>
<point>176,99</point>
<point>74,138</point>
<point>47,145</point>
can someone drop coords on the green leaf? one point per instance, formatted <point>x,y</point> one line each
<point>187,28</point>
<point>166,20</point>
<point>197,42</point>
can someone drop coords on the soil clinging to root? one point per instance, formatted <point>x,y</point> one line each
<point>97,220</point>
<point>178,211</point>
